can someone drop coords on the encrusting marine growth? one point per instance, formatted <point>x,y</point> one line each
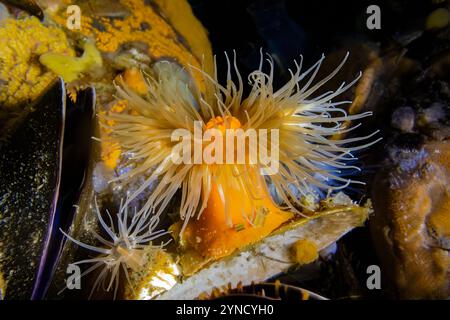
<point>22,77</point>
<point>129,246</point>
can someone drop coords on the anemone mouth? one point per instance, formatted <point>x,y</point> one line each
<point>308,157</point>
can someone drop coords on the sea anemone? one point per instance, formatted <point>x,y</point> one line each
<point>130,247</point>
<point>308,156</point>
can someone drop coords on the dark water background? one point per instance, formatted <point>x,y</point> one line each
<point>288,28</point>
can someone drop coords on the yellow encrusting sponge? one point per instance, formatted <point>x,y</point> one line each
<point>22,76</point>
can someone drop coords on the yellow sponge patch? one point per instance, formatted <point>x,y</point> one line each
<point>304,251</point>
<point>71,68</point>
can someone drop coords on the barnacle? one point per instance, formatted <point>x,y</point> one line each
<point>22,77</point>
<point>129,247</point>
<point>227,199</point>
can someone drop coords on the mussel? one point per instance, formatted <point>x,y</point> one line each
<point>36,193</point>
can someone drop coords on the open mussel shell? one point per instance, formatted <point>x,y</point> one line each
<point>82,218</point>
<point>270,291</point>
<point>76,154</point>
<point>36,194</point>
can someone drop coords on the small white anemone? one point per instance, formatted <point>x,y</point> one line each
<point>130,246</point>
